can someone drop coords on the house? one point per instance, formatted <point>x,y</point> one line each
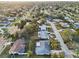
<point>39,21</point>
<point>5,23</point>
<point>76,25</point>
<point>43,35</point>
<point>42,47</point>
<point>1,31</point>
<point>57,20</point>
<point>42,27</point>
<point>11,18</point>
<point>69,20</point>
<point>18,47</point>
<point>49,18</point>
<point>66,18</point>
<point>64,24</point>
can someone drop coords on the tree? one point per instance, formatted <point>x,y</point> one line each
<point>75,36</point>
<point>77,31</point>
<point>13,32</point>
<point>29,53</point>
<point>61,55</point>
<point>66,34</point>
<point>77,52</point>
<point>21,24</point>
<point>30,28</point>
<point>54,44</point>
<point>32,44</point>
<point>54,55</point>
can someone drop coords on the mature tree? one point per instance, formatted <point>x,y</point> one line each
<point>30,28</point>
<point>21,24</point>
<point>32,44</point>
<point>66,34</point>
<point>54,44</point>
<point>54,55</point>
<point>29,53</point>
<point>76,36</point>
<point>61,55</point>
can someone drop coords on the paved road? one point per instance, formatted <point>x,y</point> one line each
<point>59,38</point>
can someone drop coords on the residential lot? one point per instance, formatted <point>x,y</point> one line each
<point>44,30</point>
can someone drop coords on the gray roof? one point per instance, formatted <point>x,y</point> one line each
<point>43,34</point>
<point>42,27</point>
<point>76,25</point>
<point>42,48</point>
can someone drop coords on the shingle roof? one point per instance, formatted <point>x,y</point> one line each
<point>18,46</point>
<point>43,35</point>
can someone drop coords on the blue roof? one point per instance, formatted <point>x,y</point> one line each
<point>43,48</point>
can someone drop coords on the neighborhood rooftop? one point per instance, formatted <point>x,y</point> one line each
<point>18,47</point>
<point>43,33</point>
<point>42,47</point>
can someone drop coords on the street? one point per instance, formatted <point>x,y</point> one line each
<point>62,44</point>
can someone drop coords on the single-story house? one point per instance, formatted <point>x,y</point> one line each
<point>43,35</point>
<point>1,31</point>
<point>39,21</point>
<point>57,20</point>
<point>69,20</point>
<point>42,27</point>
<point>49,18</point>
<point>11,18</point>
<point>66,18</point>
<point>64,24</point>
<point>18,47</point>
<point>42,47</point>
<point>76,25</point>
<point>5,23</point>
